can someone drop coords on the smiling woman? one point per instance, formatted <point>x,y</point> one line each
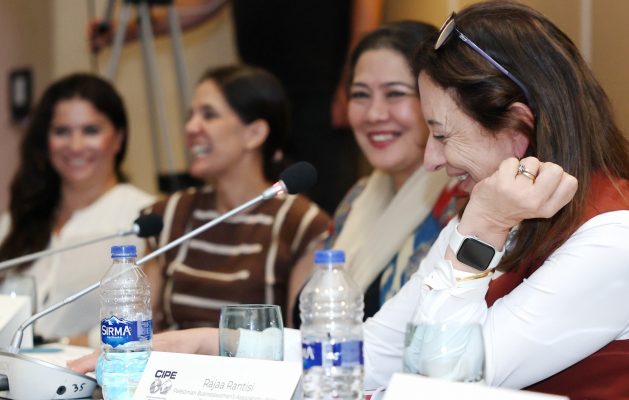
<point>387,221</point>
<point>83,143</point>
<point>539,255</point>
<point>68,189</point>
<point>235,133</point>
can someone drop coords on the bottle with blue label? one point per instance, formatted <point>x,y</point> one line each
<point>331,309</point>
<point>126,325</point>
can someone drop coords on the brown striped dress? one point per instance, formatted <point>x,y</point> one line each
<point>246,259</point>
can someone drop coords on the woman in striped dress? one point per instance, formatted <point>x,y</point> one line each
<point>235,132</point>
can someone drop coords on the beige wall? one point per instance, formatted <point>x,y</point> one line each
<point>49,36</point>
<point>210,44</point>
<point>610,54</point>
<point>25,30</point>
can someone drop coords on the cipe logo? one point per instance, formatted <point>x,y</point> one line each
<point>163,381</point>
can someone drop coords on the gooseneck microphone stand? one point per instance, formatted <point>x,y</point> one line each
<point>17,370</point>
<point>269,193</point>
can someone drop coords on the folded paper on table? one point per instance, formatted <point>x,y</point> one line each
<point>292,345</point>
<point>403,384</point>
<point>192,376</point>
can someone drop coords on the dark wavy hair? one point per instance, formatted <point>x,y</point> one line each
<point>35,191</point>
<point>254,93</point>
<point>574,126</point>
<point>404,37</point>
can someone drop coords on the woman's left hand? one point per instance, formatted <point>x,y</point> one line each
<point>193,341</point>
<point>518,190</point>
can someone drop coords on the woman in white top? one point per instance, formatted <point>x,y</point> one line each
<point>515,113</point>
<point>69,189</point>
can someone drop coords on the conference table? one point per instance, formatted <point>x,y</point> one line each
<point>59,354</point>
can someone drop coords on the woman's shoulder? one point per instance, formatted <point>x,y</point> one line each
<point>301,206</point>
<point>122,201</point>
<point>616,221</point>
<point>134,194</point>
<point>182,199</point>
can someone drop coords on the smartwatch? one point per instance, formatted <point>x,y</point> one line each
<point>474,252</point>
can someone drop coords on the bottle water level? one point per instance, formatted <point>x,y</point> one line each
<point>338,383</point>
<point>120,373</point>
<point>333,370</point>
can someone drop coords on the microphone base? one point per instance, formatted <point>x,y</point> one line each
<point>26,378</point>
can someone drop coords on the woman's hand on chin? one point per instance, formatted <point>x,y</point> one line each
<point>518,190</point>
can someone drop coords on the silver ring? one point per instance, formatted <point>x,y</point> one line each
<point>525,172</point>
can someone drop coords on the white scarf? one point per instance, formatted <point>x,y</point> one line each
<point>380,220</point>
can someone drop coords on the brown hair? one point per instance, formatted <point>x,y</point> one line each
<point>36,186</point>
<point>574,126</point>
<point>406,37</point>
<point>254,93</point>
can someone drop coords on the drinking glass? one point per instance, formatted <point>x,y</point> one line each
<point>251,331</point>
<point>15,284</point>
<point>454,352</point>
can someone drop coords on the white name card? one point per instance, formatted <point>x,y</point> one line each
<point>405,386</point>
<point>176,376</point>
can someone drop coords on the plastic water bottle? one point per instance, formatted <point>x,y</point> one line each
<point>331,307</point>
<point>126,325</point>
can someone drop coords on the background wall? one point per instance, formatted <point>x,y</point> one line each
<point>208,45</point>
<point>24,38</point>
<point>49,36</point>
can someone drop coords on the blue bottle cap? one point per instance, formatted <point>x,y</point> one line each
<point>329,257</point>
<point>123,251</point>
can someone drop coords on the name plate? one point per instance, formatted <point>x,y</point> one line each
<point>175,376</point>
<point>429,388</point>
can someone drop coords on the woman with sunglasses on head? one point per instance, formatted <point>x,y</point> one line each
<point>539,255</point>
<point>69,188</point>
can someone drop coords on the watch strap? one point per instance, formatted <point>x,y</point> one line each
<point>457,239</point>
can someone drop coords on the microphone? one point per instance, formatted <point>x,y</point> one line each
<point>56,380</point>
<point>299,177</point>
<point>144,226</point>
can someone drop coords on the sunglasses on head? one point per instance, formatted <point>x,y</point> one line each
<point>449,27</point>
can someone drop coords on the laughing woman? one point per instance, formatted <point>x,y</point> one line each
<point>516,113</point>
<point>235,132</point>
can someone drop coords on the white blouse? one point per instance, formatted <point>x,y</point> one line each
<point>574,304</point>
<point>63,274</point>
